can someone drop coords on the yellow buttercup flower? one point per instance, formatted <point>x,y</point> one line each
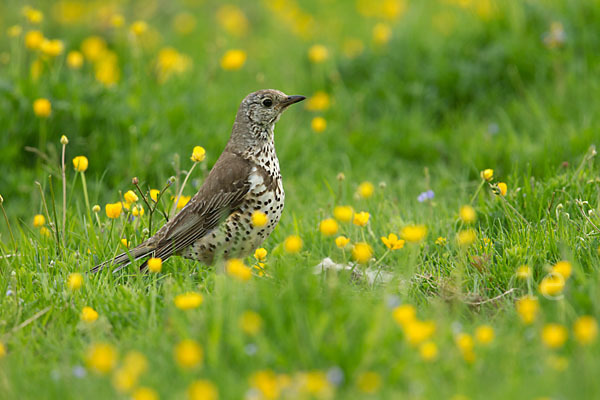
<point>39,220</point>
<point>233,59</point>
<point>14,31</point>
<point>368,382</point>
<point>266,383</point>
<point>318,53</point>
<point>318,124</point>
<point>236,269</point>
<point>124,380</point>
<point>528,308</point>
<point>319,101</point>
<point>113,210</point>
<point>393,9</point>
<point>135,362</point>
<point>125,243</point>
<point>467,214</point>
<point>392,242</point>
<point>2,350</point>
<point>188,301</point>
<point>554,335</point>
<point>552,284</point>
<point>466,237</point>
<point>232,19</point>
<point>202,390</point>
<point>417,332</point>
<point>428,351</point>
<point>315,383</point>
<point>341,241</point>
<point>464,342</point>
<point>155,264</point>
<point>154,194</point>
<point>126,377</point>
<point>145,393</point>
<point>138,28</point>
<point>441,241</point>
<point>503,188</point>
<point>259,219</point>
<point>362,252</point>
<point>292,244</point>
<point>130,196</point>
<point>250,323</point>
<point>183,200</point>
<point>361,218</point>
<point>52,48</point>
<point>106,69</point>
<point>484,334</point>
<point>260,254</point>
<point>74,59</point>
<point>117,20</point>
<point>328,227</point>
<point>487,174</point>
<point>563,268</point>
<point>585,329</point>
<point>34,39</point>
<point>382,33</point>
<point>33,15</point>
<point>42,108</point>
<point>88,314</point>
<point>404,314</point>
<point>188,354</point>
<point>75,281</point>
<point>137,211</point>
<point>524,272</point>
<point>366,189</point>
<point>80,163</point>
<point>93,48</point>
<point>413,233</point>
<point>198,154</point>
<point>101,357</point>
<point>343,213</point>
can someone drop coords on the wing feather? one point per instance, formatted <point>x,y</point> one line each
<point>222,193</point>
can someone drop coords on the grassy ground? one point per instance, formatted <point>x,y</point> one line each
<point>419,96</point>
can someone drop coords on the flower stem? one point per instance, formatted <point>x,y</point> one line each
<point>477,192</point>
<point>174,210</point>
<point>89,212</point>
<point>8,224</point>
<point>56,233</point>
<point>64,193</point>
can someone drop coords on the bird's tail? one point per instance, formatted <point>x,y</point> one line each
<point>126,258</point>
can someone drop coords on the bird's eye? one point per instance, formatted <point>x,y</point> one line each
<point>267,102</point>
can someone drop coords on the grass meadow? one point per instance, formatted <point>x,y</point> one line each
<point>441,233</point>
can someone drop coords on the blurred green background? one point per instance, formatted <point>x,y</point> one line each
<point>454,85</point>
<point>411,95</point>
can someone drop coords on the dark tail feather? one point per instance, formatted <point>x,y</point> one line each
<point>124,259</point>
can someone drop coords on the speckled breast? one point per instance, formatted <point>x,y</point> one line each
<point>236,237</point>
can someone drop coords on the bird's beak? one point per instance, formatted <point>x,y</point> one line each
<point>291,100</point>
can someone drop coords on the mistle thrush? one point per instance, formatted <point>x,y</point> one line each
<point>217,221</point>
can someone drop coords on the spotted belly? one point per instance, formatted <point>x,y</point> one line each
<point>237,237</point>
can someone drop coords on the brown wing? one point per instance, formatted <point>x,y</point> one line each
<point>221,194</point>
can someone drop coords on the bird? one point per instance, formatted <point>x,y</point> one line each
<point>217,221</point>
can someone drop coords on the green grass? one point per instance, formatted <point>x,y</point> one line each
<point>450,94</point>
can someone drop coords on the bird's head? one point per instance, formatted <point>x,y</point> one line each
<point>261,110</point>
